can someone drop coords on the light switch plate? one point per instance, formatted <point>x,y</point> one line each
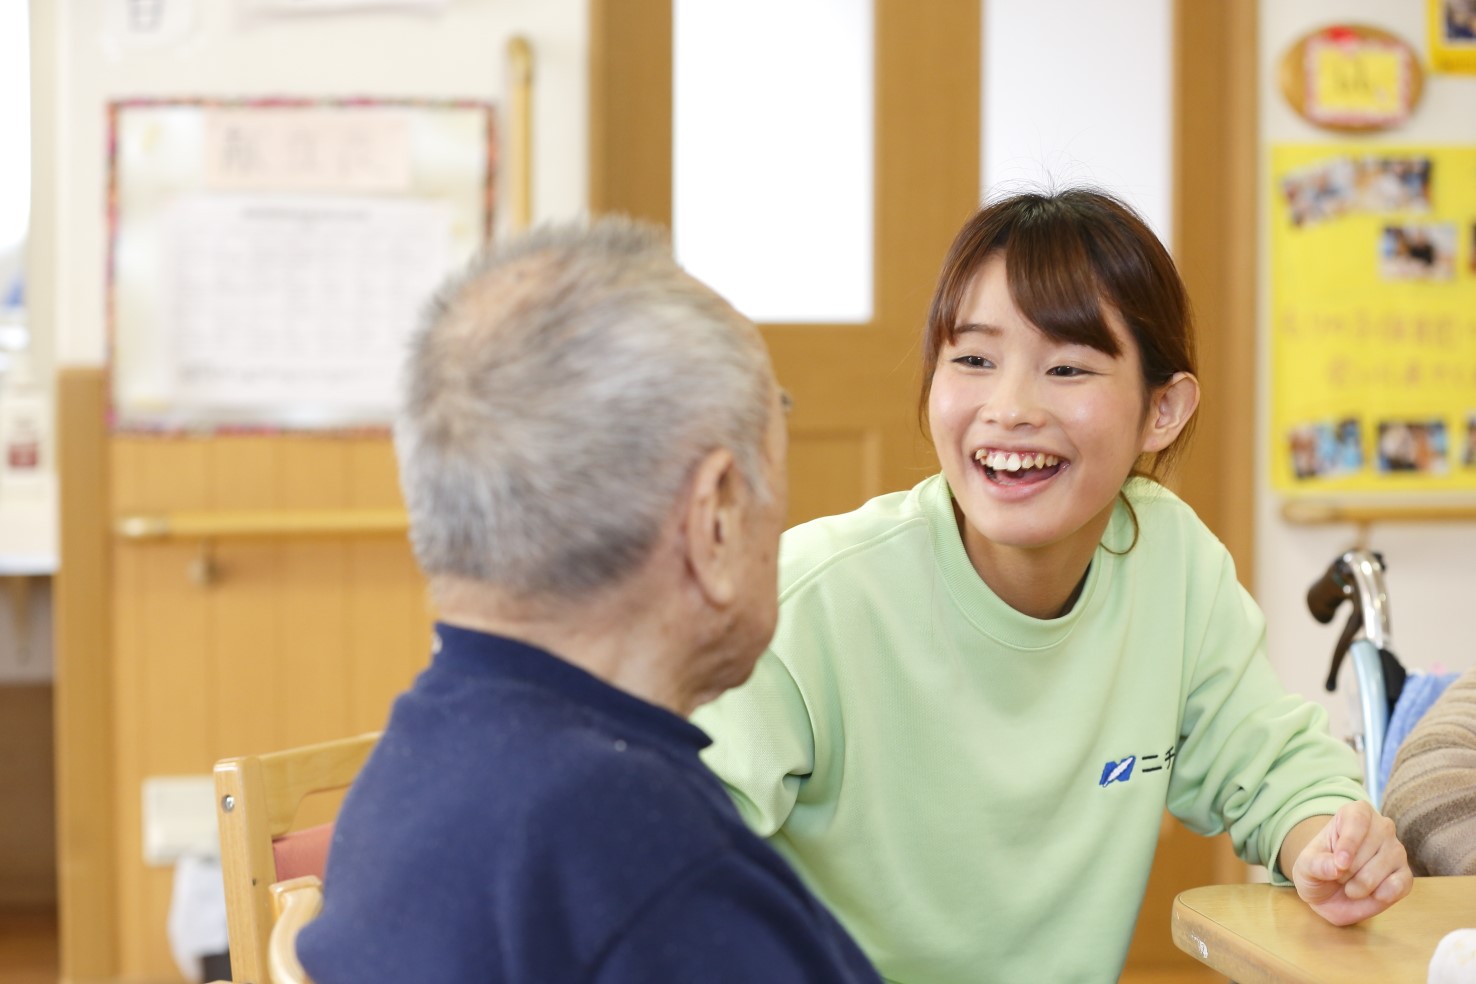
<point>178,818</point>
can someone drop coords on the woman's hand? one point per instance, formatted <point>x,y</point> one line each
<point>1353,867</point>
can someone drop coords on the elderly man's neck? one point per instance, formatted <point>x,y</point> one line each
<point>618,635</point>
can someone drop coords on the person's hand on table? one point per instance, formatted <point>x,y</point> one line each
<point>1351,866</point>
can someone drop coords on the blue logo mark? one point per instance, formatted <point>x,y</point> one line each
<point>1117,771</point>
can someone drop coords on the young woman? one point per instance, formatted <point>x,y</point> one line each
<point>984,691</point>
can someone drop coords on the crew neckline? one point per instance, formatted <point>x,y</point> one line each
<point>984,609</point>
<point>471,653</point>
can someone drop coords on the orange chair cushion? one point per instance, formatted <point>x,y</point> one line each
<point>302,852</point>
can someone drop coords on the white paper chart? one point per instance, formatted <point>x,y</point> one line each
<point>273,299</point>
<point>268,267</point>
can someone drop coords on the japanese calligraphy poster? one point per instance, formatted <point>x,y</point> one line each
<point>1373,318</point>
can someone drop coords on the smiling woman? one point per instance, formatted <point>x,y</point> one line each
<point>985,691</point>
<point>1059,331</point>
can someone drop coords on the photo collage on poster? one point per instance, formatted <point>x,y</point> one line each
<point>1409,245</point>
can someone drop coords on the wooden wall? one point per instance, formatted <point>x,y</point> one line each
<point>27,818</point>
<point>294,640</point>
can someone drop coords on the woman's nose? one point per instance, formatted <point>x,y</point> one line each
<point>1013,401</point>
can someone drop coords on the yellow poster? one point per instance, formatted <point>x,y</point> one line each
<point>1373,319</point>
<point>1453,35</point>
<point>1357,81</point>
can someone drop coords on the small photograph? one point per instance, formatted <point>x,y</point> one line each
<point>1458,22</point>
<point>1468,453</point>
<point>1326,449</point>
<point>1417,446</point>
<point>1417,252</point>
<point>1321,192</point>
<point>1393,184</point>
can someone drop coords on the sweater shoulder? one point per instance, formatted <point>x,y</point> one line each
<point>810,549</point>
<point>1167,524</point>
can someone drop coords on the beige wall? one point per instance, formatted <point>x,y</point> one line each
<point>1432,576</point>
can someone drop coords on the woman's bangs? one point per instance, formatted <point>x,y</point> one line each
<point>1054,282</point>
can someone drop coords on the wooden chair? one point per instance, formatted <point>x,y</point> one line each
<point>257,800</point>
<point>296,902</point>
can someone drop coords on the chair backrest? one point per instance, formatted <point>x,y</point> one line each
<point>257,798</point>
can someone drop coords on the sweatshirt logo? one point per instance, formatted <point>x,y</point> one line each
<point>1121,770</point>
<point>1117,771</point>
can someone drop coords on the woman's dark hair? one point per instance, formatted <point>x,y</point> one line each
<point>1069,256</point>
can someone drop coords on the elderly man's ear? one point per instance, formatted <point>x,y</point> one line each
<point>714,527</point>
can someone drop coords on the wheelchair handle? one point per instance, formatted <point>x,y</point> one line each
<point>1328,592</point>
<point>1367,569</point>
<point>1356,576</point>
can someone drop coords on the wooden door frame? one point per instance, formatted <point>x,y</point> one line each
<point>84,691</point>
<point>918,143</point>
<point>1215,206</point>
<point>1216,161</point>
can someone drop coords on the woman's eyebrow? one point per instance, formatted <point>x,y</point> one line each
<point>977,327</point>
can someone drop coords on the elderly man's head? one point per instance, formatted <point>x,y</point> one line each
<point>561,400</point>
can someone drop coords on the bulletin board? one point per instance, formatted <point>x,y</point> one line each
<point>1452,35</point>
<point>269,258</point>
<point>1373,319</point>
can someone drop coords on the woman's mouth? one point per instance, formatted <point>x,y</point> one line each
<point>1017,468</point>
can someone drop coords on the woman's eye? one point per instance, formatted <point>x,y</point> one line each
<point>973,361</point>
<point>1067,371</point>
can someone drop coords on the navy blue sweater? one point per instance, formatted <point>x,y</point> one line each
<point>522,821</point>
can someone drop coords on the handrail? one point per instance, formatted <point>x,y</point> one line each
<point>236,524</point>
<point>1364,514</point>
<point>520,133</point>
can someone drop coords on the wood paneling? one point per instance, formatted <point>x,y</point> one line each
<point>85,693</point>
<point>629,119</point>
<point>1215,205</point>
<point>28,829</point>
<point>846,379</point>
<point>293,641</point>
<point>831,471</point>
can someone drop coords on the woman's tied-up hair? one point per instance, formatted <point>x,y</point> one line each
<point>556,399</point>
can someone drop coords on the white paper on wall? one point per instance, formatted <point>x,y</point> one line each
<point>293,301</point>
<point>269,259</point>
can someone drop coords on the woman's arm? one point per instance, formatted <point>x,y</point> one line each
<point>763,745</point>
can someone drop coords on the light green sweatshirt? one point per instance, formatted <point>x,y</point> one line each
<point>977,793</point>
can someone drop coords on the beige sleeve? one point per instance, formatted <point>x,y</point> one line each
<point>1431,796</point>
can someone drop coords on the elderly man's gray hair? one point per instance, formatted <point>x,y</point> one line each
<point>557,398</point>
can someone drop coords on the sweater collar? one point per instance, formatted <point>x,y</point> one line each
<point>984,609</point>
<point>468,653</point>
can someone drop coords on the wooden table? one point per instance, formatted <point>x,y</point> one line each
<point>1257,933</point>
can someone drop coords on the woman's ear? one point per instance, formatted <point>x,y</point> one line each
<point>1171,406</point>
<point>711,527</point>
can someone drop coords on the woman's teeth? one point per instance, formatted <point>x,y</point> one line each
<point>1014,461</point>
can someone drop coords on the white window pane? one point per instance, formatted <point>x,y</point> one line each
<point>772,169</point>
<point>1081,93</point>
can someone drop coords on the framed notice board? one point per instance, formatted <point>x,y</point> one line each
<point>268,258</point>
<point>1373,319</point>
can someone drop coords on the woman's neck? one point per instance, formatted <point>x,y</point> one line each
<point>1043,582</point>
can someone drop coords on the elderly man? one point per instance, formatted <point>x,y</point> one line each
<point>592,450</point>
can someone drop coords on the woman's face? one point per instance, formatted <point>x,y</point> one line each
<point>1036,437</point>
